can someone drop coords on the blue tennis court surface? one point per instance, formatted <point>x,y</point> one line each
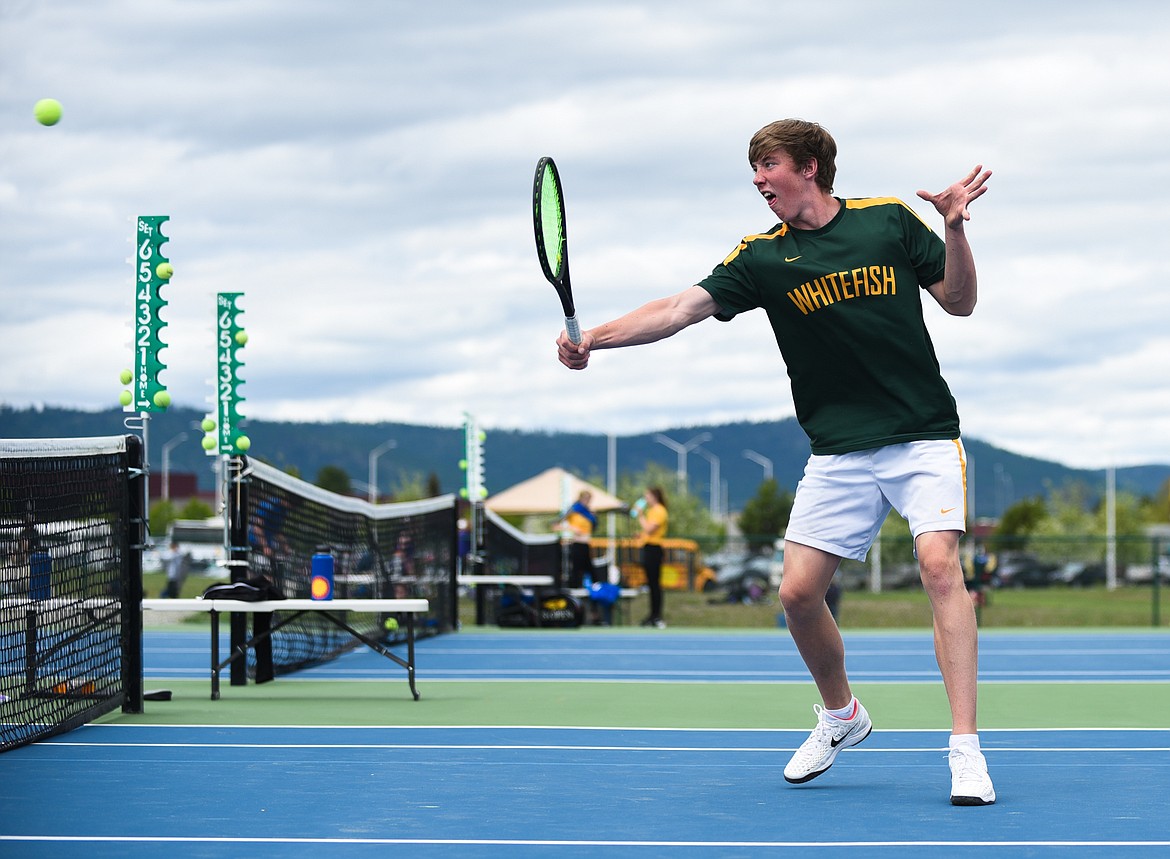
<point>581,790</point>
<point>183,791</point>
<point>760,657</point>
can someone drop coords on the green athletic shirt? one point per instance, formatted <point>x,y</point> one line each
<point>845,306</point>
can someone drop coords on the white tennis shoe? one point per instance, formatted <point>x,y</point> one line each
<point>970,783</point>
<point>828,738</point>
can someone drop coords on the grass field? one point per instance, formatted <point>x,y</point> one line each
<point>907,609</point>
<point>1131,606</point>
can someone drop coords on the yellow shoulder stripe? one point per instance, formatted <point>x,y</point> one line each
<point>780,233</point>
<point>866,202</point>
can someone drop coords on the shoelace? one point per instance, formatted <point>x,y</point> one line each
<point>966,764</point>
<point>821,736</point>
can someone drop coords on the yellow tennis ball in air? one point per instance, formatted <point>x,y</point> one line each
<point>47,111</point>
<point>164,270</point>
<point>162,399</point>
<point>126,377</point>
<point>208,442</point>
<point>241,337</point>
<point>391,624</point>
<point>243,443</point>
<point>125,398</point>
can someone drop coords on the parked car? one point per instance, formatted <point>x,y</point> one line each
<point>1143,574</point>
<point>744,577</point>
<point>856,576</point>
<point>1024,571</point>
<point>1081,574</point>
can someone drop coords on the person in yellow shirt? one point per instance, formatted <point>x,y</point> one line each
<point>652,519</point>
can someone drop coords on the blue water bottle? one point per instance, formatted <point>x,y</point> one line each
<point>321,583</point>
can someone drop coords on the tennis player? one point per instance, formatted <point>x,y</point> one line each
<point>841,282</point>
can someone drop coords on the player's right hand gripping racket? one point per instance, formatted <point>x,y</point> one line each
<point>552,246</point>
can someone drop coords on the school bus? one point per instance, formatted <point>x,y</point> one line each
<point>682,562</point>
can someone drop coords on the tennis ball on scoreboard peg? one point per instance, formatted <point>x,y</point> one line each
<point>243,443</point>
<point>463,492</point>
<point>463,464</point>
<point>164,270</point>
<point>241,337</point>
<point>208,425</point>
<point>125,398</point>
<point>208,442</point>
<point>162,399</point>
<point>126,377</point>
<point>391,624</point>
<point>47,111</point>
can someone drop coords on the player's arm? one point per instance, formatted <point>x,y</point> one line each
<point>958,291</point>
<point>650,323</point>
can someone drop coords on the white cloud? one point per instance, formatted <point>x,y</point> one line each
<point>364,179</point>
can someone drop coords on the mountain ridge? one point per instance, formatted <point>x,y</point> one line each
<point>998,478</point>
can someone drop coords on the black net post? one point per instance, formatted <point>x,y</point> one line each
<point>133,539</point>
<point>238,551</point>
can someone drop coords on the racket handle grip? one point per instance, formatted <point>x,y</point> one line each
<point>574,329</point>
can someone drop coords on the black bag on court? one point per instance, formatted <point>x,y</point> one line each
<point>560,609</point>
<point>515,609</point>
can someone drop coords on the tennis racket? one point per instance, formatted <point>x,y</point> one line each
<point>552,246</point>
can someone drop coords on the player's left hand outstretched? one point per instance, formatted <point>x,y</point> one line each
<point>952,203</point>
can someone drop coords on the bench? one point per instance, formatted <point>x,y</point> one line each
<point>484,585</point>
<point>290,610</point>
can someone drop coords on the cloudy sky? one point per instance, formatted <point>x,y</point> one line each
<point>361,170</point>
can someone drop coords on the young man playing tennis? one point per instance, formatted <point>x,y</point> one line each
<point>840,281</point>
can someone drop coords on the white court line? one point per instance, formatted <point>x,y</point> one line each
<point>927,649</point>
<point>690,730</point>
<point>544,747</point>
<point>548,842</point>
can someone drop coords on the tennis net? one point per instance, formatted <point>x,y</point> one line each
<point>71,522</point>
<point>404,550</point>
<point>512,552</point>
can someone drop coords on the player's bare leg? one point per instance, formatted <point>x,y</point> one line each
<point>956,646</point>
<point>807,574</point>
<point>955,633</point>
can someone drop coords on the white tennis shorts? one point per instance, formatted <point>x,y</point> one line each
<point>843,499</point>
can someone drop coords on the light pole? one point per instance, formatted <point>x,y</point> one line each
<point>682,450</point>
<point>715,488</point>
<point>760,459</point>
<point>374,454</point>
<point>166,464</point>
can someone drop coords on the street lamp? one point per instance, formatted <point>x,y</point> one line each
<point>715,489</point>
<point>682,450</point>
<point>166,464</point>
<point>760,459</point>
<point>374,454</point>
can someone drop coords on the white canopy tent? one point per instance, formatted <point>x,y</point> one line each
<point>550,493</point>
